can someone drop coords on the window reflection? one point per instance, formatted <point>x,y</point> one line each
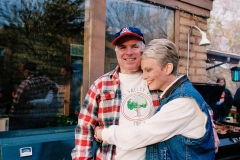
<point>153,20</point>
<point>48,33</point>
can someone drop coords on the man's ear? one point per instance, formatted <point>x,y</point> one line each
<point>169,68</point>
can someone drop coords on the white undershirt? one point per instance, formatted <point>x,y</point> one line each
<point>136,107</point>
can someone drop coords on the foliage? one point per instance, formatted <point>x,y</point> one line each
<point>44,123</point>
<point>63,120</point>
<point>34,23</point>
<point>5,101</point>
<point>60,121</point>
<point>224,34</point>
<point>137,14</point>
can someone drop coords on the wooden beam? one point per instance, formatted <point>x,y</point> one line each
<point>66,99</point>
<point>176,27</point>
<point>94,43</point>
<point>182,6</point>
<point>86,57</point>
<point>67,87</point>
<point>97,40</point>
<point>205,4</point>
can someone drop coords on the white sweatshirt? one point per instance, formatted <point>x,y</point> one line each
<point>136,107</point>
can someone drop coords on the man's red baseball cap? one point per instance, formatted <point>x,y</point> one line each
<point>128,31</point>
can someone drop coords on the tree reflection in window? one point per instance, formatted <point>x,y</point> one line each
<point>32,26</point>
<point>39,31</point>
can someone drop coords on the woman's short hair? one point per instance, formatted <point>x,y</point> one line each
<point>163,51</point>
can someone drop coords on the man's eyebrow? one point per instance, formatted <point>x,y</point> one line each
<point>121,45</point>
<point>135,44</point>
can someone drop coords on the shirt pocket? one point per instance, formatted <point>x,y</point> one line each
<point>107,105</point>
<point>109,95</point>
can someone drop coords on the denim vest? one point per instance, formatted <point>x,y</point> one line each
<point>180,147</point>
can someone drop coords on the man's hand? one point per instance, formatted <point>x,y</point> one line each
<point>216,140</point>
<point>98,134</point>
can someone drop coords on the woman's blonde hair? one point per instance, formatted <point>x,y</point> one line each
<point>163,51</point>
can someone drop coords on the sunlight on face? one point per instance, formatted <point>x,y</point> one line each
<point>129,54</point>
<point>154,75</point>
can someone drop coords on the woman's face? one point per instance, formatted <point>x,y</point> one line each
<point>155,75</point>
<point>221,83</point>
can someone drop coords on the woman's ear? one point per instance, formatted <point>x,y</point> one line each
<point>169,68</point>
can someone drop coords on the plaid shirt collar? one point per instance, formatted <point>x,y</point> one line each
<point>114,73</point>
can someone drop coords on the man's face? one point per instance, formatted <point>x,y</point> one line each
<point>63,72</point>
<point>155,75</point>
<point>128,53</point>
<point>26,73</point>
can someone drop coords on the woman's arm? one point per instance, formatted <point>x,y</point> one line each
<point>180,116</point>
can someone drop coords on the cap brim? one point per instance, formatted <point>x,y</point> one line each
<point>114,42</point>
<point>21,68</point>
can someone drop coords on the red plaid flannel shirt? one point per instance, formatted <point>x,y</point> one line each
<point>32,88</point>
<point>100,107</point>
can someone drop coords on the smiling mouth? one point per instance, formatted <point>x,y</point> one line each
<point>149,82</point>
<point>129,59</point>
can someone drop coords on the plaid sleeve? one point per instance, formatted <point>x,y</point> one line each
<point>19,91</point>
<point>87,120</point>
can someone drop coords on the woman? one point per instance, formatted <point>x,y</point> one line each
<point>181,127</point>
<point>225,102</point>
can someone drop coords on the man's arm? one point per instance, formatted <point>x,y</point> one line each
<point>216,140</point>
<point>17,95</point>
<point>43,102</point>
<point>87,120</point>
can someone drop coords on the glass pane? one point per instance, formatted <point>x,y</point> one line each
<point>49,35</point>
<point>154,21</point>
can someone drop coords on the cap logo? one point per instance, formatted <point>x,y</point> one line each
<point>125,30</point>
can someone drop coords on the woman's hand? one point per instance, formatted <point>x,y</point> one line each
<point>216,140</point>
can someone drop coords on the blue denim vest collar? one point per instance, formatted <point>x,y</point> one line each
<point>180,147</point>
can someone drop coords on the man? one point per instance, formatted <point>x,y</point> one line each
<point>69,79</point>
<point>118,97</point>
<point>181,127</point>
<point>67,74</point>
<point>236,103</point>
<point>36,90</point>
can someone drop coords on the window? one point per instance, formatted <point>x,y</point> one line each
<point>2,110</point>
<point>1,52</point>
<point>50,34</point>
<point>154,21</point>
